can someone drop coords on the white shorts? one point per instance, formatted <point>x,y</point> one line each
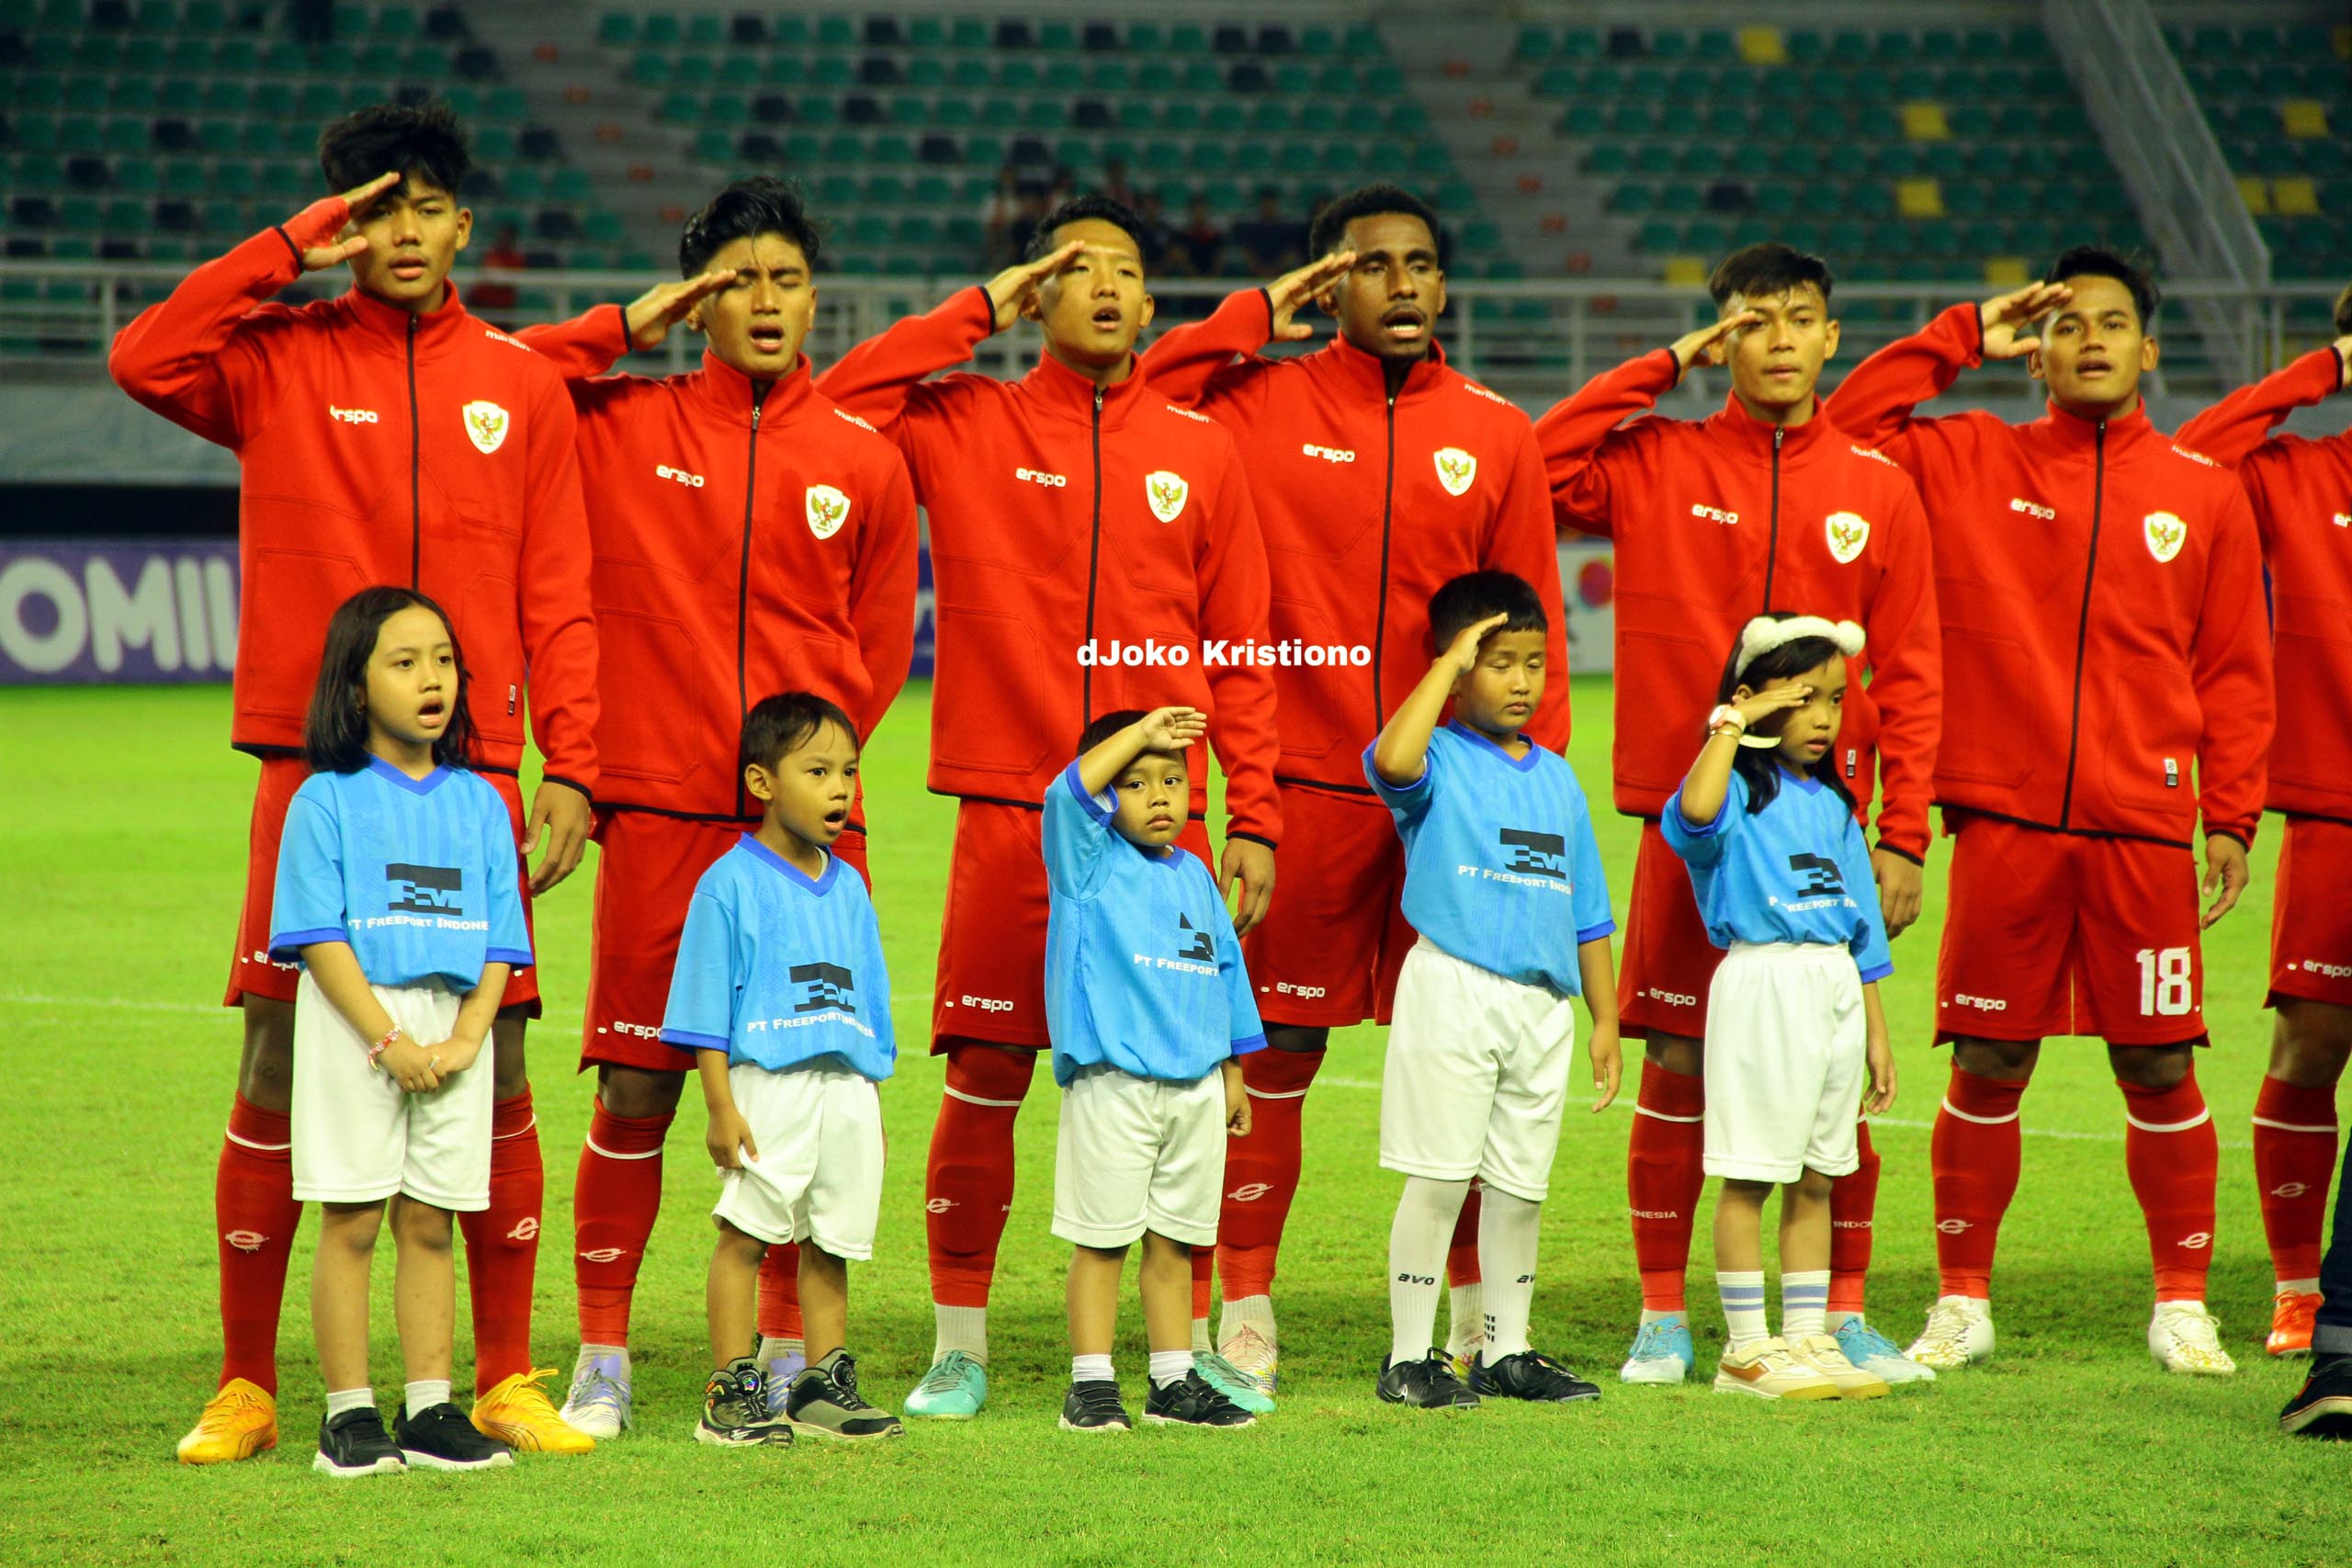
<point>1787,1053</point>
<point>358,1137</point>
<point>819,1177</point>
<point>1477,1076</point>
<point>1139,1155</point>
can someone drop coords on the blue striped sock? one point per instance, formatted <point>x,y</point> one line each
<point>1743,1299</point>
<point>1804,1303</point>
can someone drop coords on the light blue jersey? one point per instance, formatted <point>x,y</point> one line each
<point>417,874</point>
<point>1500,866</point>
<point>1796,871</point>
<point>775,969</point>
<point>1142,968</point>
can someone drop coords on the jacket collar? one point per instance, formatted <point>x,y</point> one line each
<point>389,326</point>
<point>727,392</point>
<point>1071,395</point>
<point>1734,427</point>
<point>1366,375</point>
<point>2072,432</point>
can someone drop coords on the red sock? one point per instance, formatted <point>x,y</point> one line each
<point>502,1244</point>
<point>1663,1179</point>
<point>1973,1154</point>
<point>967,1183</point>
<point>1853,1206</point>
<point>780,1291</point>
<point>2175,1159</point>
<point>614,1200</point>
<point>1261,1173</point>
<point>2294,1155</point>
<point>254,1209</point>
<point>1462,1252</point>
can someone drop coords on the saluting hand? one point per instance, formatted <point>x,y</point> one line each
<point>653,313</point>
<point>1293,290</point>
<point>2005,314</point>
<point>318,258</point>
<point>1013,287</point>
<point>1705,346</point>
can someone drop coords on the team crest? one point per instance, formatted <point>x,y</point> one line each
<point>486,425</point>
<point>1456,468</point>
<point>2163,533</point>
<point>828,509</point>
<point>1847,532</point>
<point>1167,492</point>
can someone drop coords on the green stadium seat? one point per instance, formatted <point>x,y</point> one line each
<point>970,32</point>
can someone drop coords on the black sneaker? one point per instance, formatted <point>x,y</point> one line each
<point>735,1409</point>
<point>441,1437</point>
<point>1426,1385</point>
<point>824,1400</point>
<point>2323,1406</point>
<point>1530,1376</point>
<point>1193,1401</point>
<point>355,1443</point>
<point>1094,1407</point>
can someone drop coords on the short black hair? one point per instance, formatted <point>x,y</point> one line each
<point>1776,667</point>
<point>1078,209</point>
<point>1765,270</point>
<point>760,205</point>
<point>1474,595</point>
<point>784,723</point>
<point>2105,261</point>
<point>1366,201</point>
<point>1107,724</point>
<point>334,735</point>
<point>416,138</point>
<point>2344,312</point>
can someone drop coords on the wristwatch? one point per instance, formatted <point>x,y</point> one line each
<point>1726,720</point>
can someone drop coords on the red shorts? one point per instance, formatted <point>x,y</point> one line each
<point>2310,917</point>
<point>645,878</point>
<point>1668,963</point>
<point>1328,952</point>
<point>2055,933</point>
<point>251,972</point>
<point>991,976</point>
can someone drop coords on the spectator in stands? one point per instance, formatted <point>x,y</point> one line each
<point>1269,244</point>
<point>505,251</point>
<point>1157,238</point>
<point>1000,219</point>
<point>1200,244</point>
<point>1121,189</point>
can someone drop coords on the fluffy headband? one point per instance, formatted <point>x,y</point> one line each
<point>1764,634</point>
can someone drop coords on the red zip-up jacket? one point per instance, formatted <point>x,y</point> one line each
<point>1062,516</point>
<point>377,446</point>
<point>2301,493</point>
<point>2101,596</point>
<point>745,544</point>
<point>1369,505</point>
<point>1718,520</point>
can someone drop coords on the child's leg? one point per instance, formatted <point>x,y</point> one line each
<point>1165,1282</point>
<point>1740,1258</point>
<point>732,1295</point>
<point>824,1301</point>
<point>1507,1235</point>
<point>1095,1300</point>
<point>1418,1239</point>
<point>1805,1255</point>
<point>425,1290</point>
<point>339,1292</point>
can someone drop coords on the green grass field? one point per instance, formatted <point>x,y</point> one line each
<point>123,839</point>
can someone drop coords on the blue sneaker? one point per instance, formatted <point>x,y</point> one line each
<point>1227,1380</point>
<point>956,1389</point>
<point>1878,1355</point>
<point>1661,1354</point>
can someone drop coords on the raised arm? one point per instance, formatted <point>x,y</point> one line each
<point>1874,402</point>
<point>2236,428</point>
<point>1583,457</point>
<point>1400,751</point>
<point>589,343</point>
<point>875,379</point>
<point>1193,365</point>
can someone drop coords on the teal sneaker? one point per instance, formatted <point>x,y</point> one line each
<point>956,1389</point>
<point>1878,1355</point>
<point>1661,1353</point>
<point>1227,1380</point>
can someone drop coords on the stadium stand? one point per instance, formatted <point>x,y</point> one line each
<point>2279,102</point>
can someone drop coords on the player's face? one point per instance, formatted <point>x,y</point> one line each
<point>1807,731</point>
<point>1389,302</point>
<point>415,232</point>
<point>1094,309</point>
<point>1155,795</point>
<point>412,681</point>
<point>2096,348</point>
<point>1776,363</point>
<point>808,792</point>
<point>757,323</point>
<point>1502,691</point>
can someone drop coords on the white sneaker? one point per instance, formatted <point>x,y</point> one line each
<point>1767,1369</point>
<point>1958,1331</point>
<point>2184,1337</point>
<point>1823,1354</point>
<point>598,1404</point>
<point>1251,1355</point>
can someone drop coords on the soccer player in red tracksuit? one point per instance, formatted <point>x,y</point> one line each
<point>1074,509</point>
<point>1380,473</point>
<point>2107,662</point>
<point>2302,493</point>
<point>385,437</point>
<point>1763,505</point>
<point>750,537</point>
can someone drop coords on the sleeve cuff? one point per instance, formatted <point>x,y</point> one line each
<point>1906,854</point>
<point>1706,830</point>
<point>1594,933</point>
<point>286,946</point>
<point>585,793</point>
<point>1231,833</point>
<point>1877,972</point>
<point>1381,786</point>
<point>622,312</point>
<point>1095,810</point>
<point>2243,837</point>
<point>519,957</point>
<point>1254,1042</point>
<point>279,229</point>
<point>1674,361</point>
<point>688,1039</point>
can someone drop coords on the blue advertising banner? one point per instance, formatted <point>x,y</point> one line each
<point>80,612</point>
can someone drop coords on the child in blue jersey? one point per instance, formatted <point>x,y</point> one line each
<point>397,892</point>
<point>780,994</point>
<point>1503,882</point>
<point>1147,1005</point>
<point>1793,1023</point>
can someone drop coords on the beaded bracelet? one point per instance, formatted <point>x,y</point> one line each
<point>378,1049</point>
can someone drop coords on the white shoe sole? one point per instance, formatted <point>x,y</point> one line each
<point>419,1459</point>
<point>604,1429</point>
<point>1070,1425</point>
<point>1150,1420</point>
<point>705,1435</point>
<point>1740,1385</point>
<point>328,1467</point>
<point>1662,1370</point>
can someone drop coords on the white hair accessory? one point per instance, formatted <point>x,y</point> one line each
<point>1764,634</point>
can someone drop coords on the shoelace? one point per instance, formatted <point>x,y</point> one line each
<point>595,1387</point>
<point>1946,1329</point>
<point>947,1375</point>
<point>1253,1347</point>
<point>526,1389</point>
<point>2199,1331</point>
<point>845,1392</point>
<point>227,1404</point>
<point>1214,1366</point>
<point>1872,1345</point>
<point>1655,1342</point>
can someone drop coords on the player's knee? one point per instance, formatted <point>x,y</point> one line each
<point>510,1077</point>
<point>2152,1066</point>
<point>638,1093</point>
<point>977,1070</point>
<point>2008,1059</point>
<point>1676,1054</point>
<point>1297,1037</point>
<point>265,1064</point>
<point>2310,1043</point>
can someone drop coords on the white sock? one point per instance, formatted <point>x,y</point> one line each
<point>2299,1287</point>
<point>1170,1366</point>
<point>1200,1343</point>
<point>1248,1312</point>
<point>773,1348</point>
<point>1092,1369</point>
<point>1804,1303</point>
<point>1417,1242</point>
<point>1507,1228</point>
<point>1838,1320</point>
<point>1466,1317</point>
<point>341,1400</point>
<point>426,1393</point>
<point>960,1328</point>
<point>1649,1317</point>
<point>1742,1293</point>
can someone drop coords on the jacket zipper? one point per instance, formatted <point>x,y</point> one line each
<point>2082,630</point>
<point>743,586</point>
<point>1772,538</point>
<point>1380,615</point>
<point>415,474</point>
<point>1093,564</point>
